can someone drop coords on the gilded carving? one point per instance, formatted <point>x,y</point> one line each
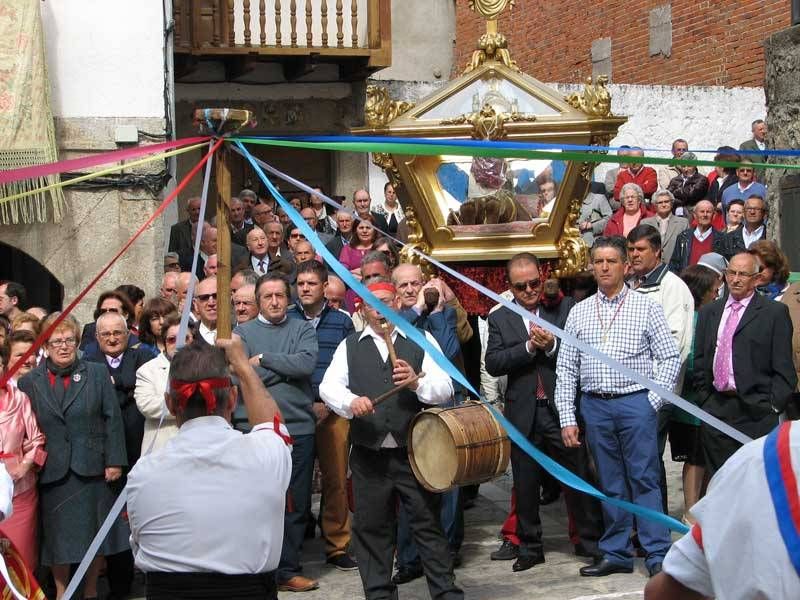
<point>595,100</point>
<point>491,46</point>
<point>490,9</point>
<point>416,241</point>
<point>380,109</point>
<point>572,251</point>
<point>386,162</point>
<point>489,124</point>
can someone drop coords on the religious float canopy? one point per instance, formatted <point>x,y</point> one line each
<point>474,209</point>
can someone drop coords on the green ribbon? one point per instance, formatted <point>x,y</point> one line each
<point>488,151</point>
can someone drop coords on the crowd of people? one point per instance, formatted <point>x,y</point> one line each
<point>687,291</point>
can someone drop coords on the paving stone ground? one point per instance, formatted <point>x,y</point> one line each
<point>483,579</point>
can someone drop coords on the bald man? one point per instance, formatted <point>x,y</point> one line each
<point>310,216</point>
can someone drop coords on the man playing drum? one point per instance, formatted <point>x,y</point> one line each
<point>362,368</point>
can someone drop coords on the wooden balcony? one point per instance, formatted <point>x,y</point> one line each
<point>355,35</point>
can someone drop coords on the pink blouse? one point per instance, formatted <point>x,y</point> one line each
<point>20,436</point>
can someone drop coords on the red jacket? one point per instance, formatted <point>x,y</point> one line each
<point>646,179</point>
<point>615,226</point>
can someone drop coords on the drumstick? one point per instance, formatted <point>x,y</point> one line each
<point>387,335</point>
<point>386,395</point>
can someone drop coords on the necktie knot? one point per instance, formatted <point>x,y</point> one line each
<point>735,306</point>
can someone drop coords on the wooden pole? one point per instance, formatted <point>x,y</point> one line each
<point>223,177</point>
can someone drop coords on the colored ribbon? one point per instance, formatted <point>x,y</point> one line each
<point>79,164</point>
<point>664,393</point>
<point>562,474</point>
<point>513,144</point>
<point>489,149</point>
<point>186,389</point>
<point>45,335</point>
<point>101,173</point>
<point>782,483</point>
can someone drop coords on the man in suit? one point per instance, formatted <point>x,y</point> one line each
<point>668,225</point>
<point>362,203</point>
<point>758,143</point>
<point>752,229</point>
<point>743,367</point>
<point>691,244</point>
<point>260,259</point>
<point>526,354</point>
<point>239,226</point>
<point>180,234</point>
<point>208,246</point>
<point>344,232</point>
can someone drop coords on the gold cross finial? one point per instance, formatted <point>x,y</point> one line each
<point>490,9</point>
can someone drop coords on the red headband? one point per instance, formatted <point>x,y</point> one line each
<point>186,389</point>
<point>382,285</point>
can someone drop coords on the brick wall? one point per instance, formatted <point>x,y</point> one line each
<point>713,42</point>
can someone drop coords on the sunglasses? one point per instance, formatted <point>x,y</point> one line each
<point>521,286</point>
<point>103,311</point>
<point>206,297</point>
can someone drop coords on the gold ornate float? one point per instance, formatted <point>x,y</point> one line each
<point>464,209</point>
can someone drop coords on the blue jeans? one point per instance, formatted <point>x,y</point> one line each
<point>452,519</point>
<point>297,508</point>
<point>622,434</point>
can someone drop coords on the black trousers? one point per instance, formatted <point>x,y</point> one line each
<point>210,586</point>
<point>380,479</point>
<point>754,421</point>
<point>546,435</point>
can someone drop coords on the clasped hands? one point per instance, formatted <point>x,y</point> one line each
<point>540,339</point>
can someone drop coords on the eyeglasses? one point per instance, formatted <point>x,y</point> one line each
<point>206,297</point>
<point>297,235</point>
<point>521,286</point>
<point>109,334</point>
<point>738,274</point>
<point>103,311</point>
<point>754,209</point>
<point>66,342</point>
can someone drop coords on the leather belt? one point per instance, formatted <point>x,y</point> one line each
<point>611,396</point>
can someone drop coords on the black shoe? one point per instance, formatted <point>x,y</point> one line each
<point>406,574</point>
<point>549,496</point>
<point>580,550</point>
<point>523,563</point>
<point>506,551</point>
<point>342,562</point>
<point>602,568</point>
<point>654,570</point>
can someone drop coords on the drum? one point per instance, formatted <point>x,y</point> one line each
<point>449,447</point>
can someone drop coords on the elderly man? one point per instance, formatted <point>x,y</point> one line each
<point>249,199</point>
<point>205,307</point>
<point>752,229</point>
<point>182,289</point>
<point>758,143</point>
<point>325,224</point>
<point>595,213</point>
<point>331,327</point>
<point>344,232</point>
<point>12,299</point>
<point>334,292</point>
<point>210,266</point>
<point>362,204</point>
<point>169,287</point>
<point>208,247</point>
<point>284,354</point>
<point>278,253</point>
<point>261,260</point>
<point>742,361</point>
<point>746,186</point>
<point>382,475</point>
<point>619,416</point>
<point>243,277</point>
<point>310,216</point>
<point>180,234</point>
<point>667,173</point>
<point>172,263</point>
<point>263,214</point>
<point>303,251</point>
<point>691,244</point>
<point>237,222</point>
<point>644,177</point>
<point>689,187</point>
<point>245,307</point>
<point>669,226</point>
<point>238,496</point>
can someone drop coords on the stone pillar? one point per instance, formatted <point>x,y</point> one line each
<point>782,89</point>
<point>349,174</point>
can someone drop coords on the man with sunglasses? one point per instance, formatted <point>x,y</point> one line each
<point>526,353</point>
<point>742,361</point>
<point>752,229</point>
<point>205,307</point>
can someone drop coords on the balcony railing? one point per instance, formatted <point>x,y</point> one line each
<point>345,28</point>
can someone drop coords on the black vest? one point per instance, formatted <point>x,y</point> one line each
<point>370,376</point>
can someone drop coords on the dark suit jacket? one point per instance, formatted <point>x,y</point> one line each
<point>507,354</point>
<point>180,236</point>
<point>732,243</point>
<point>757,156</point>
<point>86,433</point>
<point>240,237</point>
<point>239,258</point>
<point>762,357</point>
<point>124,381</point>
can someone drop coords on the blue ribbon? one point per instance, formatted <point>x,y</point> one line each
<point>559,472</point>
<point>780,489</point>
<point>499,144</point>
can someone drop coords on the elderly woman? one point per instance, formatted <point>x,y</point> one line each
<point>22,442</point>
<point>151,384</point>
<point>773,279</point>
<point>630,213</point>
<point>151,323</point>
<point>78,411</point>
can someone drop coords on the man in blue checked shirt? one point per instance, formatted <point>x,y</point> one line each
<point>619,416</point>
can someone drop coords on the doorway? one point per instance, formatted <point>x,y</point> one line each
<point>42,288</point>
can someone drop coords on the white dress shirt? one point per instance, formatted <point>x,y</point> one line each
<point>435,388</point>
<point>751,238</point>
<point>254,261</point>
<point>212,500</point>
<point>209,335</point>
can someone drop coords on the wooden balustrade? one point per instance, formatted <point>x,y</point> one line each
<point>220,27</point>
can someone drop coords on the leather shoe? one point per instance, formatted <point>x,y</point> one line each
<point>506,551</point>
<point>603,567</point>
<point>298,583</point>
<point>523,563</point>
<point>406,574</point>
<point>654,569</point>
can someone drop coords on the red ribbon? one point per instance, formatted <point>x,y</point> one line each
<point>79,164</point>
<point>186,389</point>
<point>382,285</point>
<point>45,335</point>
